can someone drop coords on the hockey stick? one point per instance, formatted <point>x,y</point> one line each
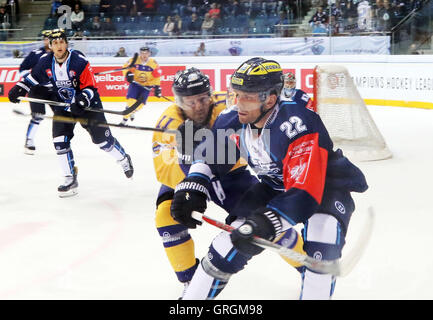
<point>340,267</point>
<point>125,112</point>
<point>93,122</point>
<point>51,103</point>
<point>134,59</point>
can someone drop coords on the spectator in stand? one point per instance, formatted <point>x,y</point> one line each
<point>146,6</point>
<point>122,7</point>
<point>237,9</point>
<point>194,26</point>
<point>121,52</point>
<point>73,3</point>
<point>207,27</point>
<point>364,15</point>
<point>335,26</point>
<point>177,25</point>
<point>4,23</point>
<point>168,26</point>
<point>214,11</point>
<point>107,27</point>
<point>77,18</point>
<point>384,17</point>
<point>106,8</point>
<point>351,10</point>
<point>95,27</point>
<point>54,6</point>
<point>320,17</point>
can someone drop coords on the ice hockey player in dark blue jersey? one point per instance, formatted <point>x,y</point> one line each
<point>36,108</point>
<point>302,180</point>
<point>72,80</point>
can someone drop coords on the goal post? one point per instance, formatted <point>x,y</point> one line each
<point>345,115</point>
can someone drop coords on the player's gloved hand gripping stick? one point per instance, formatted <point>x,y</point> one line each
<point>340,267</point>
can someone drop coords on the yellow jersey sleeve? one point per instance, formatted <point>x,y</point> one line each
<point>165,160</point>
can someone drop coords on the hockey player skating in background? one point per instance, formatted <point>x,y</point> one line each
<point>36,108</point>
<point>302,180</point>
<point>72,81</point>
<point>172,158</point>
<point>144,75</point>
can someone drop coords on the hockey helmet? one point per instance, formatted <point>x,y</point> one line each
<point>191,82</point>
<point>289,80</point>
<point>45,34</point>
<point>258,75</point>
<point>58,34</point>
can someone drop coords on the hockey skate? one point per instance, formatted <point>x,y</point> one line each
<point>29,147</point>
<point>69,187</point>
<point>127,167</point>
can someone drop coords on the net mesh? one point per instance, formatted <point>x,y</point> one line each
<point>346,116</point>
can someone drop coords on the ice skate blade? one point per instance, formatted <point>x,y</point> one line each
<point>69,193</point>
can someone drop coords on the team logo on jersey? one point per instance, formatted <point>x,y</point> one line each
<point>66,94</point>
<point>49,73</point>
<point>297,171</point>
<point>340,207</point>
<point>72,73</point>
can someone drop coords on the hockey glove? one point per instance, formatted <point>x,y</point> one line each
<point>157,91</point>
<point>185,143</point>
<point>190,195</point>
<point>82,102</point>
<point>19,90</point>
<point>129,77</point>
<point>264,223</point>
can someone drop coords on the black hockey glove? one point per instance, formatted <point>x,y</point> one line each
<point>185,143</point>
<point>82,102</point>
<point>190,195</point>
<point>129,77</point>
<point>157,91</point>
<point>264,223</point>
<point>19,90</point>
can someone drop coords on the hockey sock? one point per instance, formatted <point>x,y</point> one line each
<point>113,148</point>
<point>323,241</point>
<point>65,155</point>
<point>177,242</point>
<point>33,128</point>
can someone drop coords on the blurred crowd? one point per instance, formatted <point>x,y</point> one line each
<point>354,16</point>
<point>174,18</point>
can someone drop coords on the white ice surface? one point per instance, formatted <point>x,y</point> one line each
<point>102,244</point>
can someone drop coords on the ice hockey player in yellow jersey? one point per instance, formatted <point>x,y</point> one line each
<point>144,75</point>
<point>195,107</point>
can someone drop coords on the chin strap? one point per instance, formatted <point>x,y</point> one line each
<point>263,112</point>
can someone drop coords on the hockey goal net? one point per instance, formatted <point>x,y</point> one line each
<point>345,115</point>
